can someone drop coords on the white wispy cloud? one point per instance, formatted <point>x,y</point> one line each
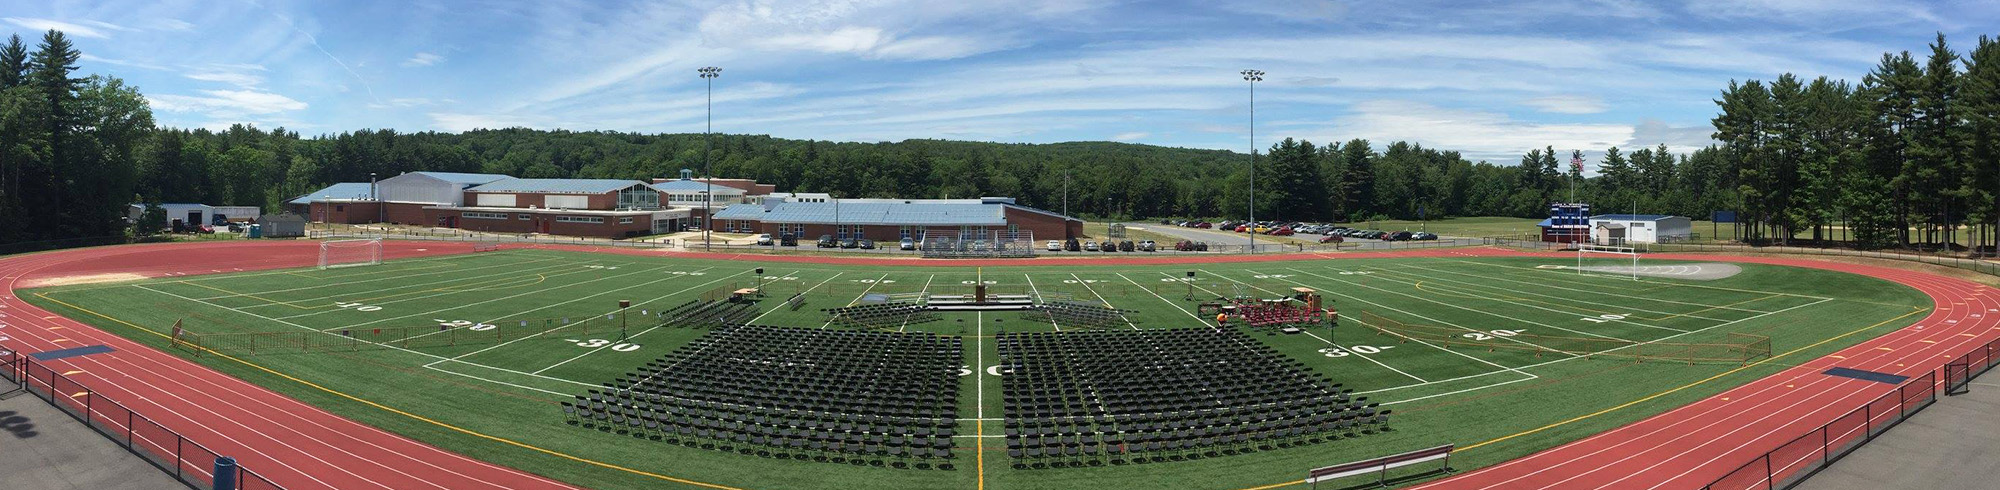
<point>1131,136</point>
<point>233,78</point>
<point>227,102</point>
<point>1478,135</point>
<point>1567,104</point>
<point>93,29</point>
<point>448,121</point>
<point>424,59</point>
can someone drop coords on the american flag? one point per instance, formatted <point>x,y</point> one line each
<point>1576,163</point>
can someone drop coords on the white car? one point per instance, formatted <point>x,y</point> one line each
<point>1089,246</point>
<point>907,244</point>
<point>764,239</point>
<point>1055,245</point>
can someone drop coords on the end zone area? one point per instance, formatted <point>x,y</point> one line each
<point>1477,351</point>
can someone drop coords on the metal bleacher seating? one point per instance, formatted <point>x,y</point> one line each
<point>1149,396</point>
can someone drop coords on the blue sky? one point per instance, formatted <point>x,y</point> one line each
<point>1489,78</point>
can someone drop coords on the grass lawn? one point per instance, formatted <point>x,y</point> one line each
<point>1135,233</point>
<point>551,308</point>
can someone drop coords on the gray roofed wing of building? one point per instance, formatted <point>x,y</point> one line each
<point>557,186</point>
<point>464,178</point>
<point>341,191</point>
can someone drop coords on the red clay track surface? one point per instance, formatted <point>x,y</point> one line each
<point>302,447</point>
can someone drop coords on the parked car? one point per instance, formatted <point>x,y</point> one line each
<point>1125,246</point>
<point>764,239</point>
<point>1331,239</point>
<point>867,244</point>
<point>1399,236</point>
<point>1108,246</point>
<point>1423,235</point>
<point>1203,225</point>
<point>907,244</point>
<point>1201,246</point>
<point>1148,246</point>
<point>788,240</point>
<point>1055,246</point>
<point>1090,246</point>
<point>1071,245</point>
<point>1282,232</point>
<point>850,243</point>
<point>1184,246</point>
<point>827,241</point>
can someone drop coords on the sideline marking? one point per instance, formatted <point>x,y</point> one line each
<point>421,418</point>
<point>1689,385</point>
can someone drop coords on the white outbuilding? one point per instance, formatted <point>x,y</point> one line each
<point>1621,229</point>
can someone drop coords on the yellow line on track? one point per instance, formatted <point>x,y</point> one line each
<point>1644,399</point>
<point>420,418</point>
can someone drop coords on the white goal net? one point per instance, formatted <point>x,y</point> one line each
<point>350,253</point>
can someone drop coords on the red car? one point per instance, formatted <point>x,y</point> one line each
<point>1286,231</point>
<point>1330,239</point>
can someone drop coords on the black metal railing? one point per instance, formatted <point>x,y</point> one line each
<point>188,461</point>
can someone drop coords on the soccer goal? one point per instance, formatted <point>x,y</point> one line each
<point>1586,248</point>
<point>350,253</point>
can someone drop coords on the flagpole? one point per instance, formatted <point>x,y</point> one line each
<point>1576,166</point>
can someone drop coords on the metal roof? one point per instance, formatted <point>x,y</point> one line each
<point>1632,217</point>
<point>462,178</point>
<point>869,213</point>
<point>557,186</point>
<point>341,191</point>
<point>694,186</point>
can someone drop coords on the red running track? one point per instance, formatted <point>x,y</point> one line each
<point>293,444</point>
<point>302,447</point>
<point>1690,446</point>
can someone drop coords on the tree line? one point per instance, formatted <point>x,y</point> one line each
<point>1910,156</point>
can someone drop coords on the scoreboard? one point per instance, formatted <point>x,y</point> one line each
<point>1568,223</point>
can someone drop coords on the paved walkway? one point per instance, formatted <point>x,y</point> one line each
<point>44,449</point>
<point>1954,444</point>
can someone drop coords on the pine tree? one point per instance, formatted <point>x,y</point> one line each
<point>13,63</point>
<point>1979,102</point>
<point>1934,153</point>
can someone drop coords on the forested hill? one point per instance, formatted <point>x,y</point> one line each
<point>1297,179</point>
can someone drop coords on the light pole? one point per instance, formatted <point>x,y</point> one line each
<point>1253,76</point>
<point>377,196</point>
<point>708,74</point>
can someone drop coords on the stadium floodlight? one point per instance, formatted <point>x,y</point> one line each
<point>708,75</point>
<point>1253,76</point>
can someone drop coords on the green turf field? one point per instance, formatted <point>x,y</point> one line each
<point>551,338</point>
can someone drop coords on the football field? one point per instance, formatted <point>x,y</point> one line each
<point>475,353</point>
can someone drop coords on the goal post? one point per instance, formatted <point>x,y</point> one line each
<point>350,253</point>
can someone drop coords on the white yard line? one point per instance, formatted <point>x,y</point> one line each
<point>925,293</point>
<point>1602,292</point>
<point>445,293</point>
<point>1365,357</point>
<point>1543,308</point>
<point>1107,303</point>
<point>1627,280</point>
<point>760,316</point>
<point>391,277</point>
<point>1038,297</point>
<point>864,294</point>
<point>512,296</point>
<point>1446,304</point>
<point>583,319</point>
<point>391,347</point>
